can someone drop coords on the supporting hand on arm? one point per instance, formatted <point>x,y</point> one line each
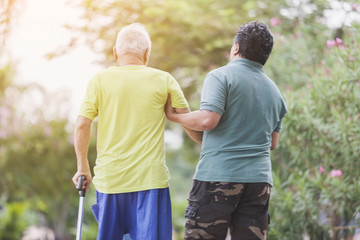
<point>196,136</point>
<point>81,143</point>
<point>197,121</point>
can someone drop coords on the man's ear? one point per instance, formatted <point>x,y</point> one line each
<point>115,53</point>
<point>236,49</point>
<point>146,56</point>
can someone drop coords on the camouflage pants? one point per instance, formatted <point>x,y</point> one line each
<point>214,207</point>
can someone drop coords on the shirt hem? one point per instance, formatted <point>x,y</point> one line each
<point>87,116</point>
<point>236,180</point>
<point>211,107</point>
<point>127,190</point>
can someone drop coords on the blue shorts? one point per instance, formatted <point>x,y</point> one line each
<point>145,215</point>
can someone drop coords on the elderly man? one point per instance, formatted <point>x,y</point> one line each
<point>130,175</point>
<point>241,113</point>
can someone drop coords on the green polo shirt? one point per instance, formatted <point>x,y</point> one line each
<point>251,108</point>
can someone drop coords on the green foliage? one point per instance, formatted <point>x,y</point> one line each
<point>191,37</point>
<point>182,170</point>
<point>8,13</point>
<point>321,134</point>
<point>179,29</point>
<point>296,55</point>
<point>37,161</point>
<point>6,74</point>
<point>12,220</point>
<point>178,212</point>
<point>89,226</point>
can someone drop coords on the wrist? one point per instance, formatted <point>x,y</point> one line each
<point>83,167</point>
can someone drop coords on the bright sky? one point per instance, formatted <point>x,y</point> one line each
<point>38,31</point>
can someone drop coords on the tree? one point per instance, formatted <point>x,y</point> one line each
<point>320,83</point>
<point>315,187</point>
<point>37,159</point>
<point>7,13</point>
<point>192,37</point>
<point>7,16</point>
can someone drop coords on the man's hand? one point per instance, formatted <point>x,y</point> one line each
<point>170,112</point>
<point>87,181</point>
<point>202,120</point>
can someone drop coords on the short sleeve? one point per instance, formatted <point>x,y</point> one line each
<point>282,115</point>
<point>214,93</point>
<point>278,126</point>
<point>89,106</point>
<point>177,96</point>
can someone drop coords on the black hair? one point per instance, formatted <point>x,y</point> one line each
<point>255,41</point>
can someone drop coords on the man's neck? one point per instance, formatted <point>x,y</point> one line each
<point>236,57</point>
<point>130,59</point>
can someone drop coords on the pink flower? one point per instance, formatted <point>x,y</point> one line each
<point>289,88</point>
<point>330,43</point>
<point>334,43</point>
<point>327,72</point>
<point>275,21</point>
<point>321,169</point>
<point>336,173</point>
<point>338,41</point>
<point>356,6</point>
<point>352,59</point>
<point>47,131</point>
<point>5,115</point>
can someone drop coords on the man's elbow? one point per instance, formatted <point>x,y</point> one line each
<point>208,124</point>
<point>83,124</point>
<point>209,120</point>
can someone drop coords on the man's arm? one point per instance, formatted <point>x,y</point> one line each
<point>274,140</point>
<point>202,120</point>
<point>196,136</point>
<point>81,143</point>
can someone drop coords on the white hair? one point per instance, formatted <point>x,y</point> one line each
<point>133,39</point>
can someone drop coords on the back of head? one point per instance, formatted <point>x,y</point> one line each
<point>133,39</point>
<point>255,41</point>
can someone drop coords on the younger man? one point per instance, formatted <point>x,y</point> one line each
<point>241,113</point>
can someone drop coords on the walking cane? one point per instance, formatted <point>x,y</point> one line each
<point>81,206</point>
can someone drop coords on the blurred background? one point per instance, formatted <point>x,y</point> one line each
<point>50,49</point>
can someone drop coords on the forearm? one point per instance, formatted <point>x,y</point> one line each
<point>81,143</point>
<point>274,140</point>
<point>197,120</point>
<point>196,136</point>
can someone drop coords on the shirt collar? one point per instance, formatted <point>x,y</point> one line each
<point>244,61</point>
<point>128,67</point>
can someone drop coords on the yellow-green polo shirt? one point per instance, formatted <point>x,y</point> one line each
<point>129,103</point>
